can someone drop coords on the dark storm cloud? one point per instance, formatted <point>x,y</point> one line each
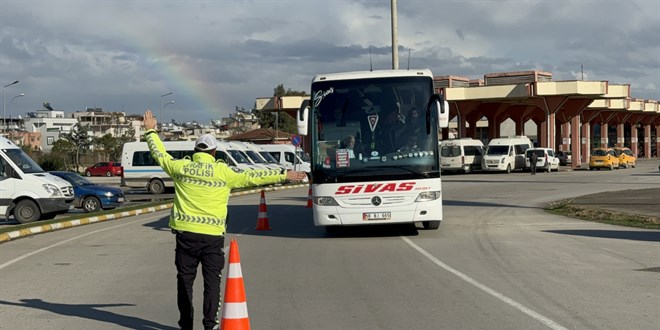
<point>124,54</point>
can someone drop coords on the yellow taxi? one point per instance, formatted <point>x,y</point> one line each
<point>603,158</point>
<point>626,157</point>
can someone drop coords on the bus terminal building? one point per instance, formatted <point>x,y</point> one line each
<point>569,115</point>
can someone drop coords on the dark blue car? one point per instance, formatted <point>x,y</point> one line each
<point>89,196</point>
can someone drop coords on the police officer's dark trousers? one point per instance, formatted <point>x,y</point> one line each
<point>191,249</point>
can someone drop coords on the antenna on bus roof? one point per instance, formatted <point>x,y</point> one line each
<point>408,58</point>
<point>371,64</point>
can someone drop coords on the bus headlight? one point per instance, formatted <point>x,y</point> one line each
<point>502,160</point>
<point>325,201</point>
<point>51,189</point>
<point>428,196</point>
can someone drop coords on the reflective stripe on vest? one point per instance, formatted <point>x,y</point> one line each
<point>198,219</point>
<point>262,173</point>
<point>198,182</point>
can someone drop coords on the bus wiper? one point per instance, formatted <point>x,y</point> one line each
<point>407,169</point>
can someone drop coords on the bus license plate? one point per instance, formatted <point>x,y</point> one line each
<point>376,216</point>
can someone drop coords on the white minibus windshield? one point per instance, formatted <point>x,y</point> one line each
<point>23,161</point>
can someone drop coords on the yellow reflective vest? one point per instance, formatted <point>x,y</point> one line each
<point>202,187</point>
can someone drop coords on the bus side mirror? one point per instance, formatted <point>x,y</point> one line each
<point>302,118</point>
<point>443,114</point>
<point>440,106</point>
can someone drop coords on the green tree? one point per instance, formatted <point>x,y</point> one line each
<point>64,151</point>
<point>114,152</point>
<point>52,162</point>
<point>103,144</point>
<point>285,122</point>
<point>80,140</point>
<point>281,91</point>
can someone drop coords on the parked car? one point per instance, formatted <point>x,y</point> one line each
<point>603,158</point>
<point>564,157</point>
<point>104,168</point>
<point>89,196</point>
<point>546,160</point>
<point>626,157</point>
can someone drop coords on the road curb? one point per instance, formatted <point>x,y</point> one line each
<point>40,229</point>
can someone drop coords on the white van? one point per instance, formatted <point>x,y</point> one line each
<point>253,151</point>
<point>546,159</point>
<point>461,155</point>
<point>142,171</point>
<point>238,152</point>
<point>506,154</point>
<point>288,155</point>
<point>28,192</point>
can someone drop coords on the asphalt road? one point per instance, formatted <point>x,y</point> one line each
<point>497,262</point>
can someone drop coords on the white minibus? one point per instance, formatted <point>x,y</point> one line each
<point>289,156</point>
<point>239,152</point>
<point>506,154</point>
<point>27,191</point>
<point>461,155</point>
<point>142,171</point>
<point>252,151</point>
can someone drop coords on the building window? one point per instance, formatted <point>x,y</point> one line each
<point>49,140</point>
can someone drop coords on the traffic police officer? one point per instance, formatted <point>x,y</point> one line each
<point>202,187</point>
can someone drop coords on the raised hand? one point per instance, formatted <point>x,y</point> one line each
<point>149,120</point>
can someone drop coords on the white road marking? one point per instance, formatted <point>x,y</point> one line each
<point>15,260</point>
<point>546,321</point>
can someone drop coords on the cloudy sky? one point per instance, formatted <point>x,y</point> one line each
<point>217,55</point>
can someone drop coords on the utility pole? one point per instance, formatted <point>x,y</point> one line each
<point>395,41</point>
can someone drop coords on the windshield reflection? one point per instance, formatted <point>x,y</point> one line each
<point>365,129</point>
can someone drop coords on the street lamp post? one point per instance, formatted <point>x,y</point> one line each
<point>166,104</point>
<point>4,111</point>
<point>160,114</point>
<point>12,100</point>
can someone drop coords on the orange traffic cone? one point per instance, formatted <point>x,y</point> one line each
<point>262,221</point>
<point>309,198</point>
<point>234,308</point>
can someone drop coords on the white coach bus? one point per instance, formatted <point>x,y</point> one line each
<point>374,147</point>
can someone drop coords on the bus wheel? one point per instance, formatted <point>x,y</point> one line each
<point>468,169</point>
<point>156,187</point>
<point>431,224</point>
<point>27,211</point>
<point>508,169</point>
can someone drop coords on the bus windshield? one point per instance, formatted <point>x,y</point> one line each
<point>373,129</point>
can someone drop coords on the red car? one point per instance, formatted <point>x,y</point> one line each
<point>104,168</point>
